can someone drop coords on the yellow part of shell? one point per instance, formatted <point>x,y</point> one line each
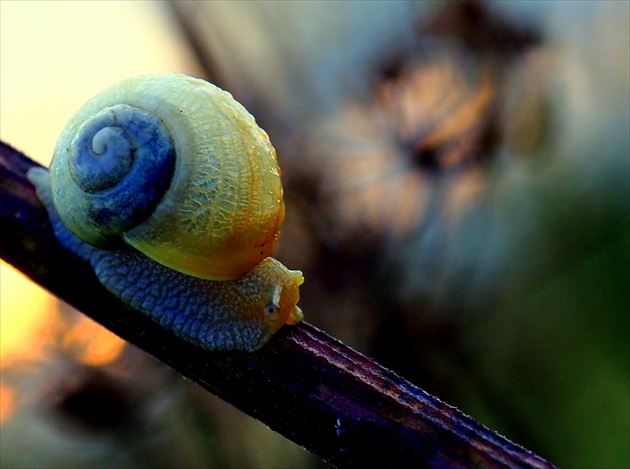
<point>223,210</point>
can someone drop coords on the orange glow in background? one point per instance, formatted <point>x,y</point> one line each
<point>7,402</point>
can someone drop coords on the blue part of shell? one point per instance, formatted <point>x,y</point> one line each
<point>123,158</point>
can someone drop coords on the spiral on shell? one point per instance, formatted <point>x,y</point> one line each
<point>175,167</point>
<point>119,153</point>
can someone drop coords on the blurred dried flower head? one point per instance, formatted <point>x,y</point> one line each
<point>382,161</point>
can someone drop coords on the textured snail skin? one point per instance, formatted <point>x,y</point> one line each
<point>212,314</point>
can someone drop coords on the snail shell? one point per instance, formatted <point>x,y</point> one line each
<point>175,167</point>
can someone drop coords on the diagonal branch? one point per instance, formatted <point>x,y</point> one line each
<point>304,384</point>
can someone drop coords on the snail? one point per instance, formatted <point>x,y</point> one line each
<point>172,192</point>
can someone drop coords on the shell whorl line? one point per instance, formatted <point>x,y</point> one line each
<point>123,160</point>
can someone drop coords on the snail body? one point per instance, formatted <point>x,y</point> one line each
<point>170,189</point>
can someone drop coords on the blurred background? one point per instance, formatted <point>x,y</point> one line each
<point>458,197</point>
